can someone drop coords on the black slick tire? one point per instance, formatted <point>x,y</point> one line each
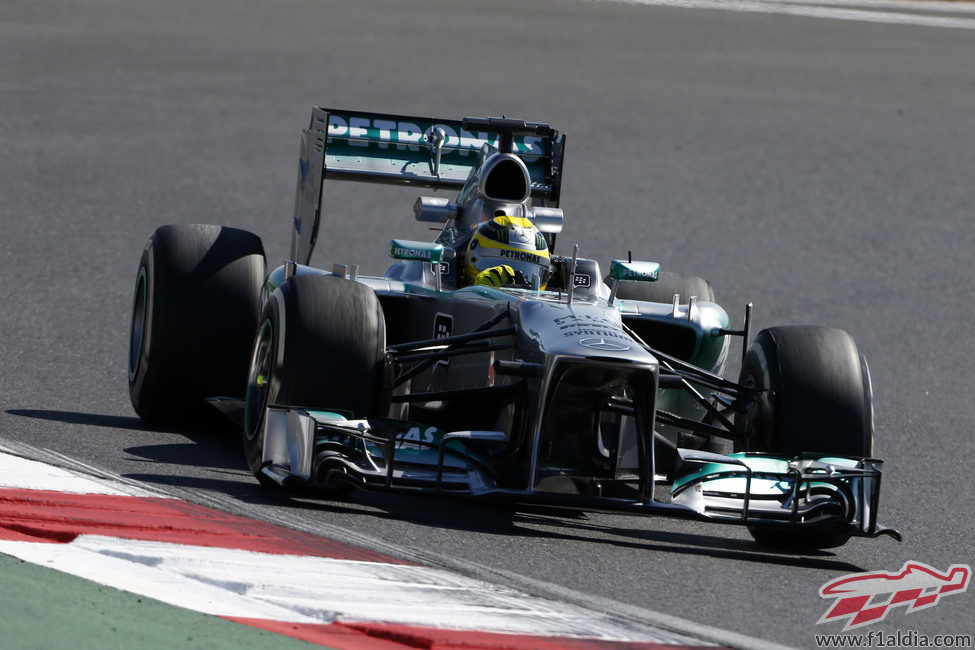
<point>197,297</point>
<point>320,344</point>
<point>814,396</point>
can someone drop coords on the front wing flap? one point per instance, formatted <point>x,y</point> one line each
<point>763,489</point>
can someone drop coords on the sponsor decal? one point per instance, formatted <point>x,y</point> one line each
<point>638,271</point>
<point>445,268</point>
<point>581,280</point>
<point>598,332</point>
<point>629,274</point>
<point>600,343</point>
<point>588,325</point>
<point>415,435</point>
<point>363,131</point>
<point>412,250</point>
<point>520,255</point>
<point>443,326</point>
<point>412,254</point>
<point>866,598</point>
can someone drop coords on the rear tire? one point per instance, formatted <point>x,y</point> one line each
<point>195,309</point>
<point>321,344</point>
<point>816,397</point>
<point>666,287</point>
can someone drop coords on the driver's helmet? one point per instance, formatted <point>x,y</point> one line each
<point>512,243</point>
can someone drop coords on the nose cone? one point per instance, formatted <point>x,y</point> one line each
<point>584,329</point>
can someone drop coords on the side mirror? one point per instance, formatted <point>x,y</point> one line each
<point>635,271</point>
<point>403,249</point>
<point>434,209</point>
<point>547,220</point>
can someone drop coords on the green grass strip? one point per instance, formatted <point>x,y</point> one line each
<point>45,609</point>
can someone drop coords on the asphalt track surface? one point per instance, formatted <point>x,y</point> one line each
<point>819,168</point>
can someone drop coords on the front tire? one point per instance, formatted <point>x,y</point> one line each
<point>321,344</point>
<point>814,395</point>
<point>197,297</point>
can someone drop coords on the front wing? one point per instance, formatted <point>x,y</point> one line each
<point>325,449</point>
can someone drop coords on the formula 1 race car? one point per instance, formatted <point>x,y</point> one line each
<point>483,364</point>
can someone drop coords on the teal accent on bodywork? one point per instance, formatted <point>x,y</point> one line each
<point>710,344</point>
<point>634,271</point>
<point>327,415</point>
<point>712,473</point>
<point>403,249</point>
<point>715,470</point>
<point>709,351</point>
<point>418,443</point>
<point>709,354</point>
<point>498,294</point>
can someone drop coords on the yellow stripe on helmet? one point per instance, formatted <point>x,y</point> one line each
<point>485,242</point>
<point>505,220</point>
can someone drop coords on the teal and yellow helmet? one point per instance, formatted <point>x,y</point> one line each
<point>512,242</point>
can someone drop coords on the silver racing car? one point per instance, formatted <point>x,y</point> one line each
<point>485,364</point>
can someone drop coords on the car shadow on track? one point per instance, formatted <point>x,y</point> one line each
<point>217,447</point>
<point>553,523</point>
<point>693,544</point>
<point>91,419</point>
<point>220,451</point>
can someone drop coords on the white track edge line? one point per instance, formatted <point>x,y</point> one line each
<point>638,617</point>
<point>853,12</point>
<point>56,459</point>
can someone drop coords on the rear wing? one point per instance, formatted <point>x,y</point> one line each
<point>421,151</point>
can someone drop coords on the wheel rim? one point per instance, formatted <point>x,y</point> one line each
<point>259,380</point>
<point>137,333</point>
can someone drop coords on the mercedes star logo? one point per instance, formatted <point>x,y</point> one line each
<point>603,344</point>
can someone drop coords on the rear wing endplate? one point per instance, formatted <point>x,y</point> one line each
<point>402,150</point>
